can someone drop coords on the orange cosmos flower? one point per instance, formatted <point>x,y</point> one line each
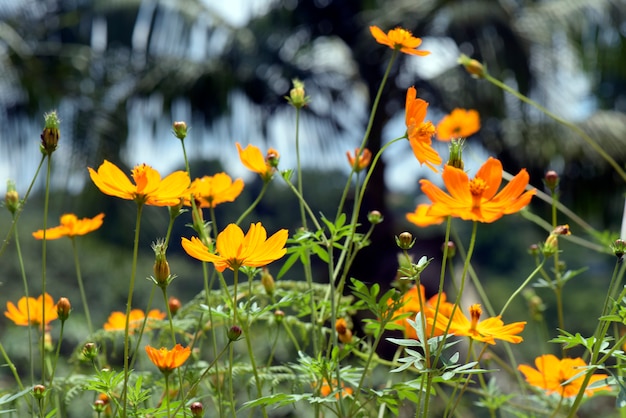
<point>210,191</point>
<point>117,320</point>
<point>411,300</point>
<point>420,133</point>
<point>30,311</point>
<point>149,188</point>
<point>252,158</point>
<point>460,123</point>
<point>168,360</point>
<point>421,217</point>
<point>362,159</point>
<point>235,250</point>
<point>327,389</point>
<point>551,373</point>
<point>486,331</point>
<point>71,226</point>
<point>476,199</point>
<point>398,39</point>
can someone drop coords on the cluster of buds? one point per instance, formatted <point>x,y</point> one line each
<point>343,332</point>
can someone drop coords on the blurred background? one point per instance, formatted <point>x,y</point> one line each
<point>119,72</point>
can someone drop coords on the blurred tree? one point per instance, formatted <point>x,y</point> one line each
<point>101,62</point>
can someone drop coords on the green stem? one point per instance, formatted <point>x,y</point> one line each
<point>18,248</point>
<point>299,169</point>
<point>522,286</point>
<point>591,142</point>
<point>81,287</point>
<point>167,394</point>
<point>254,204</point>
<point>44,246</point>
<point>16,216</point>
<point>368,130</point>
<point>129,301</point>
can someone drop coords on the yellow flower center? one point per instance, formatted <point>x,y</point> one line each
<point>477,186</point>
<point>475,312</point>
<point>398,36</point>
<point>140,177</point>
<point>69,220</point>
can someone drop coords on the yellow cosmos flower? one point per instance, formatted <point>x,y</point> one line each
<point>71,226</point>
<point>235,250</point>
<point>421,217</point>
<point>460,123</point>
<point>252,158</point>
<point>210,191</point>
<point>168,360</point>
<point>30,311</point>
<point>478,199</point>
<point>399,39</point>
<point>552,373</point>
<point>486,331</point>
<point>117,320</point>
<point>148,189</point>
<point>420,132</point>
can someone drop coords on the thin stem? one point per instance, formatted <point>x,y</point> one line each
<point>299,169</point>
<point>81,287</point>
<point>522,286</point>
<point>17,214</point>
<point>590,141</point>
<point>254,204</point>
<point>366,135</point>
<point>44,246</point>
<point>18,247</point>
<point>129,302</point>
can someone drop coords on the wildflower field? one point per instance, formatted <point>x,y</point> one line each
<point>281,326</point>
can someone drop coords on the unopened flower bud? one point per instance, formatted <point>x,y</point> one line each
<point>405,241</point>
<point>375,217</point>
<point>279,315</point>
<point>472,66</point>
<point>174,304</point>
<point>268,282</point>
<point>11,198</point>
<point>180,130</point>
<point>64,308</point>
<point>451,249</point>
<point>360,160</point>
<point>197,409</point>
<point>234,333</point>
<point>533,249</point>
<point>161,266</point>
<point>456,153</point>
<point>47,341</point>
<point>90,351</point>
<point>50,135</point>
<point>619,248</point>
<point>297,96</point>
<point>551,180</point>
<point>39,391</point>
<point>99,406</point>
<point>272,158</point>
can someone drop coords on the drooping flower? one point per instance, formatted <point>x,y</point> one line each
<point>252,158</point>
<point>411,304</point>
<point>235,250</point>
<point>421,217</point>
<point>487,331</point>
<point>168,360</point>
<point>148,189</point>
<point>362,159</point>
<point>210,191</point>
<point>478,199</point>
<point>71,226</point>
<point>420,133</point>
<point>460,123</point>
<point>30,311</point>
<point>551,374</point>
<point>398,39</point>
<point>117,320</point>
